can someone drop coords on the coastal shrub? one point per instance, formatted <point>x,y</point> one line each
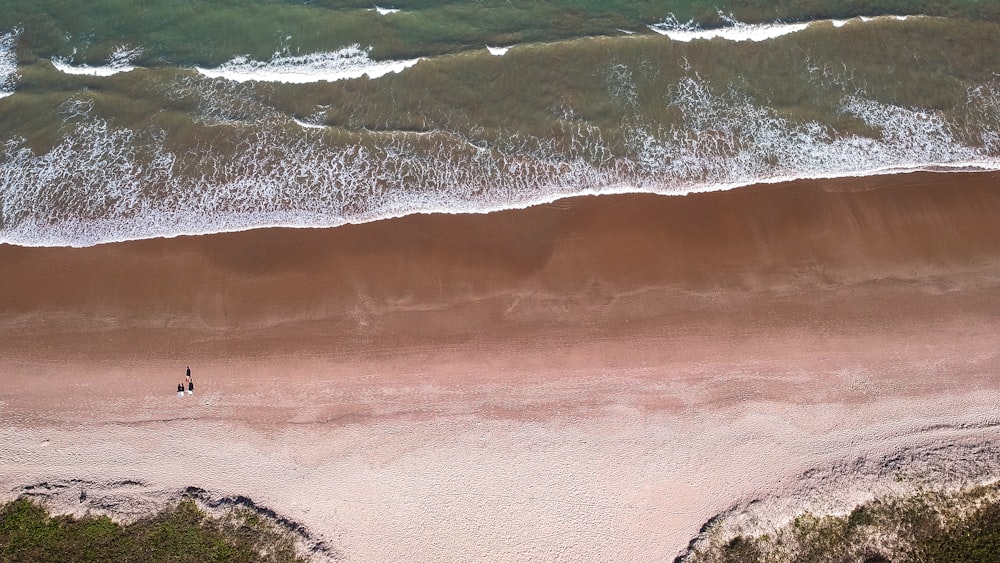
<point>975,538</point>
<point>181,533</point>
<point>926,526</point>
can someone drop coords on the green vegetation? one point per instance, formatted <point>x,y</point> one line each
<point>927,527</point>
<point>180,533</point>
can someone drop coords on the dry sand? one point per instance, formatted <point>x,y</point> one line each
<point>587,380</point>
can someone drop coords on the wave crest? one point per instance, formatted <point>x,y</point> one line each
<point>120,61</point>
<point>347,63</point>
<point>735,30</point>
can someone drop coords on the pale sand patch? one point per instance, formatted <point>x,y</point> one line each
<point>624,485</point>
<point>439,457</point>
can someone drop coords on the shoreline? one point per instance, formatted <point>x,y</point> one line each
<point>590,379</point>
<point>986,167</point>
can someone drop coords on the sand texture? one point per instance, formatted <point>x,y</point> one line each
<point>588,380</point>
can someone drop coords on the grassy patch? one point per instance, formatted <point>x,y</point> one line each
<point>927,526</point>
<point>180,533</point>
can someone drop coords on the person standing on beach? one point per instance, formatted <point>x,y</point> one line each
<point>190,386</point>
<point>180,389</point>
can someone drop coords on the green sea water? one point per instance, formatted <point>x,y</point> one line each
<point>206,32</point>
<point>121,121</point>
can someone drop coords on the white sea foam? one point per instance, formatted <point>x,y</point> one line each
<point>868,19</point>
<point>100,183</point>
<point>733,30</point>
<point>308,125</point>
<point>984,110</point>
<point>497,51</point>
<point>120,61</point>
<point>62,65</point>
<point>759,146</point>
<point>345,64</point>
<point>385,11</point>
<point>217,101</point>
<point>738,31</point>
<point>8,62</point>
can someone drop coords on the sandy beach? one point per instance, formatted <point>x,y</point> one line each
<point>588,380</point>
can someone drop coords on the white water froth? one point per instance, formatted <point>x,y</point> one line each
<point>497,51</point>
<point>733,31</point>
<point>8,62</point>
<point>102,184</point>
<point>384,11</point>
<point>866,19</point>
<point>307,125</point>
<point>120,61</point>
<point>347,63</point>
<point>738,31</point>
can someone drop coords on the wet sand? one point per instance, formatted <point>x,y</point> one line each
<point>591,379</point>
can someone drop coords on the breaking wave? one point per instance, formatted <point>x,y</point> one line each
<point>347,63</point>
<point>120,61</point>
<point>735,30</point>
<point>497,51</point>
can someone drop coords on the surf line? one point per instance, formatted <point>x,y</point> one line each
<point>330,66</point>
<point>735,30</point>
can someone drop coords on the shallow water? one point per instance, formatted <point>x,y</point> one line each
<point>119,124</point>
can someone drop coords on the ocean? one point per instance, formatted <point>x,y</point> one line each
<point>121,121</point>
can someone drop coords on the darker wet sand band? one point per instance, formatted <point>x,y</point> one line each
<point>577,263</point>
